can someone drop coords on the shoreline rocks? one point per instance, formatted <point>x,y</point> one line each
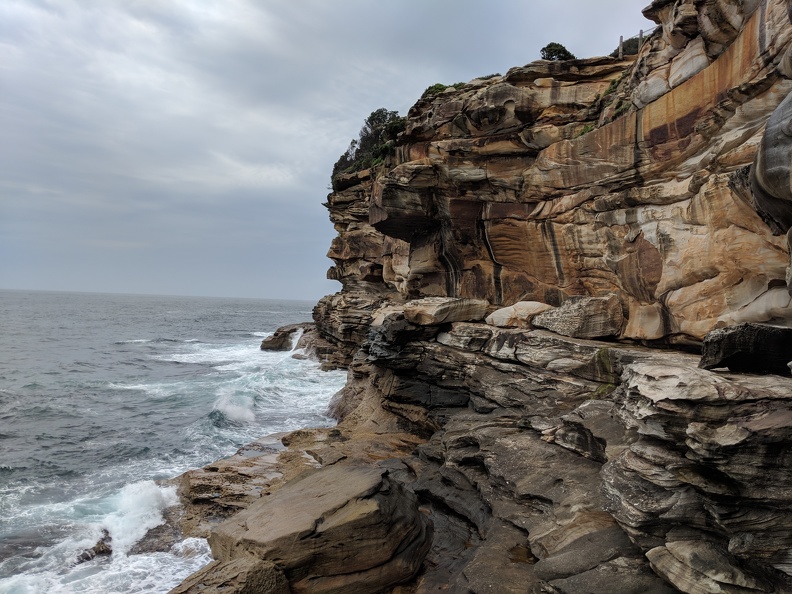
<point>587,209</point>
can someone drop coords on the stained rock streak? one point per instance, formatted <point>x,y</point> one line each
<point>565,316</point>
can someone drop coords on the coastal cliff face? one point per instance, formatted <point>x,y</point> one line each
<point>588,177</point>
<point>516,275</point>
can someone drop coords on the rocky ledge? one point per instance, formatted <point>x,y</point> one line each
<point>530,279</point>
<point>477,458</point>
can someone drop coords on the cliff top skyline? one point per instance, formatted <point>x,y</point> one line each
<point>186,148</point>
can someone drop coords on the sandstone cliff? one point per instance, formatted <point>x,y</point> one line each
<point>588,177</point>
<point>516,277</point>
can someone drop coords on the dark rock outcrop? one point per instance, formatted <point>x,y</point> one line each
<point>750,348</point>
<point>618,199</point>
<point>283,337</point>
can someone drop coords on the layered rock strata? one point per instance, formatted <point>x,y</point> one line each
<point>586,178</point>
<point>543,463</point>
<point>588,210</point>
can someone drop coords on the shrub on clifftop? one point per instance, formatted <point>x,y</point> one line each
<point>556,51</point>
<point>375,141</point>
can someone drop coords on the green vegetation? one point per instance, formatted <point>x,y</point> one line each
<point>556,51</point>
<point>438,88</point>
<point>376,140</point>
<point>585,130</point>
<point>621,108</point>
<point>630,47</point>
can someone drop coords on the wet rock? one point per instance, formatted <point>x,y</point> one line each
<point>748,348</point>
<point>103,547</point>
<point>340,529</point>
<point>244,575</point>
<point>161,538</point>
<point>283,337</point>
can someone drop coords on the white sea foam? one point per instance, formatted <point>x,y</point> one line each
<point>139,508</point>
<point>118,574</point>
<point>208,354</point>
<point>256,392</point>
<point>235,408</point>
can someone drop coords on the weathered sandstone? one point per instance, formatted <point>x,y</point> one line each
<point>340,529</point>
<point>643,202</point>
<point>584,317</point>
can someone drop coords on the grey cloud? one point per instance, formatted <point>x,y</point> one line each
<point>151,144</point>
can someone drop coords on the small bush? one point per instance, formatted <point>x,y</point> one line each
<point>630,47</point>
<point>621,108</point>
<point>585,130</point>
<point>556,51</point>
<point>438,88</point>
<point>376,140</point>
<point>435,89</point>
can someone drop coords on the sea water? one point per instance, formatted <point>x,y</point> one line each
<point>103,395</point>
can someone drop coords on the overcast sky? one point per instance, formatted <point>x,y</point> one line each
<point>185,146</point>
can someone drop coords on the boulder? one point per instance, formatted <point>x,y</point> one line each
<point>433,311</point>
<point>245,575</point>
<point>518,315</point>
<point>584,317</point>
<point>343,528</point>
<point>281,340</point>
<point>748,348</point>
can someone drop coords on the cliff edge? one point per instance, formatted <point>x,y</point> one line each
<point>528,279</point>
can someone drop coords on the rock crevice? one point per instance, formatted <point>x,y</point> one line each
<point>528,281</point>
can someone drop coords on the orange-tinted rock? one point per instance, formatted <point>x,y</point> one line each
<point>589,177</point>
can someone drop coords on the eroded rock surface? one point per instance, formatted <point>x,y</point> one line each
<point>566,201</point>
<point>587,178</point>
<point>756,348</point>
<point>340,529</point>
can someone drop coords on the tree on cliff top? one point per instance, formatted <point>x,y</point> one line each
<point>556,51</point>
<point>376,139</point>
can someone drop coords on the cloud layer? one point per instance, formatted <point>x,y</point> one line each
<point>185,146</point>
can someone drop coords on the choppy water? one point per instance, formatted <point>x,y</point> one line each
<point>101,395</point>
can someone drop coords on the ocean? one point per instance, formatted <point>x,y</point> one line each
<point>102,395</point>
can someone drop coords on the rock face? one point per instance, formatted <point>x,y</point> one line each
<point>587,178</point>
<point>642,202</point>
<point>704,488</point>
<point>584,317</point>
<point>341,529</point>
<point>756,348</point>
